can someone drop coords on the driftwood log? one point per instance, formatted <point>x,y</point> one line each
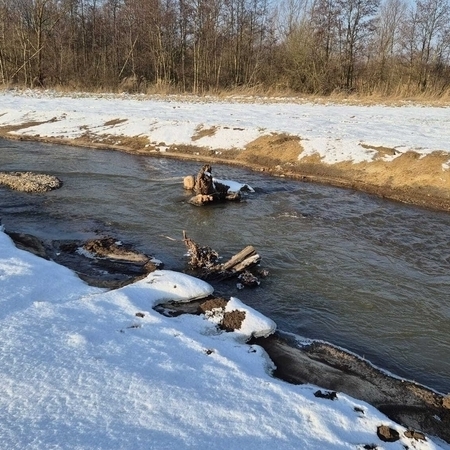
<point>205,261</point>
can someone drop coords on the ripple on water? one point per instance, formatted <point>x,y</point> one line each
<point>366,274</point>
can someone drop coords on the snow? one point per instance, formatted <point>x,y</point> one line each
<point>235,186</point>
<point>79,368</point>
<point>335,132</point>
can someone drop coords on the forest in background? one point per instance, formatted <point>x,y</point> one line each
<point>388,47</point>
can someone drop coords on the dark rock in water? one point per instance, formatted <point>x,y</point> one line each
<point>248,279</point>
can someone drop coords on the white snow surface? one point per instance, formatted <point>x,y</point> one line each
<point>79,370</point>
<point>336,132</point>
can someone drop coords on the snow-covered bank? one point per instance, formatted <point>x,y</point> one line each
<point>335,133</point>
<point>80,370</point>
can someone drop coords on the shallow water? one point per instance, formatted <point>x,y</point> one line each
<point>363,273</point>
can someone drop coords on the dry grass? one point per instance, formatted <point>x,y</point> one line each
<point>400,96</point>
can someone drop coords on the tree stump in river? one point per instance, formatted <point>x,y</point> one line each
<point>204,184</point>
<point>206,189</point>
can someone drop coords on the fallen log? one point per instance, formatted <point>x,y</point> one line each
<point>242,260</point>
<point>205,261</point>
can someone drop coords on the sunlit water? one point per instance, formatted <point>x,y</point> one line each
<point>363,273</point>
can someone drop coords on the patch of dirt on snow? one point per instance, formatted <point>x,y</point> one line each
<point>113,122</point>
<point>201,132</point>
<point>232,320</point>
<point>10,128</point>
<point>229,320</point>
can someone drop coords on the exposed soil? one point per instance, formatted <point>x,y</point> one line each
<point>409,178</point>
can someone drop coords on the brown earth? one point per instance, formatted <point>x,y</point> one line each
<point>409,178</point>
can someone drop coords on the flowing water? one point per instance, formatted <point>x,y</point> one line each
<point>358,271</point>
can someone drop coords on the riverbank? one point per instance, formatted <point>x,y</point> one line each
<point>102,263</point>
<point>396,152</point>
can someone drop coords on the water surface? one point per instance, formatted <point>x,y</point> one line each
<point>370,275</point>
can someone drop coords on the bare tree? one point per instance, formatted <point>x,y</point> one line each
<point>355,24</point>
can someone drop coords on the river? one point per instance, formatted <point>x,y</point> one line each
<point>366,274</point>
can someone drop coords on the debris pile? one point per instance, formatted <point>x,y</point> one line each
<point>205,262</point>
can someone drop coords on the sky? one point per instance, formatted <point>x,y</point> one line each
<point>80,370</point>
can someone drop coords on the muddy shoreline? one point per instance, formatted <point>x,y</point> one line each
<point>276,157</point>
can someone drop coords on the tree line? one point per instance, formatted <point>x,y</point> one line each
<point>307,46</point>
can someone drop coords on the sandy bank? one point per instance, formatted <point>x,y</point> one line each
<point>410,179</point>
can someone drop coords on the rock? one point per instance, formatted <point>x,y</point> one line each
<point>330,395</point>
<point>387,434</point>
<point>200,200</point>
<point>248,279</point>
<point>30,182</point>
<point>417,435</point>
<point>189,183</point>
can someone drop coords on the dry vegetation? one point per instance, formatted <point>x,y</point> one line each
<point>375,48</point>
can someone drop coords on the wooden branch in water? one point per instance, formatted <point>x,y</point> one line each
<point>205,259</point>
<point>241,260</point>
